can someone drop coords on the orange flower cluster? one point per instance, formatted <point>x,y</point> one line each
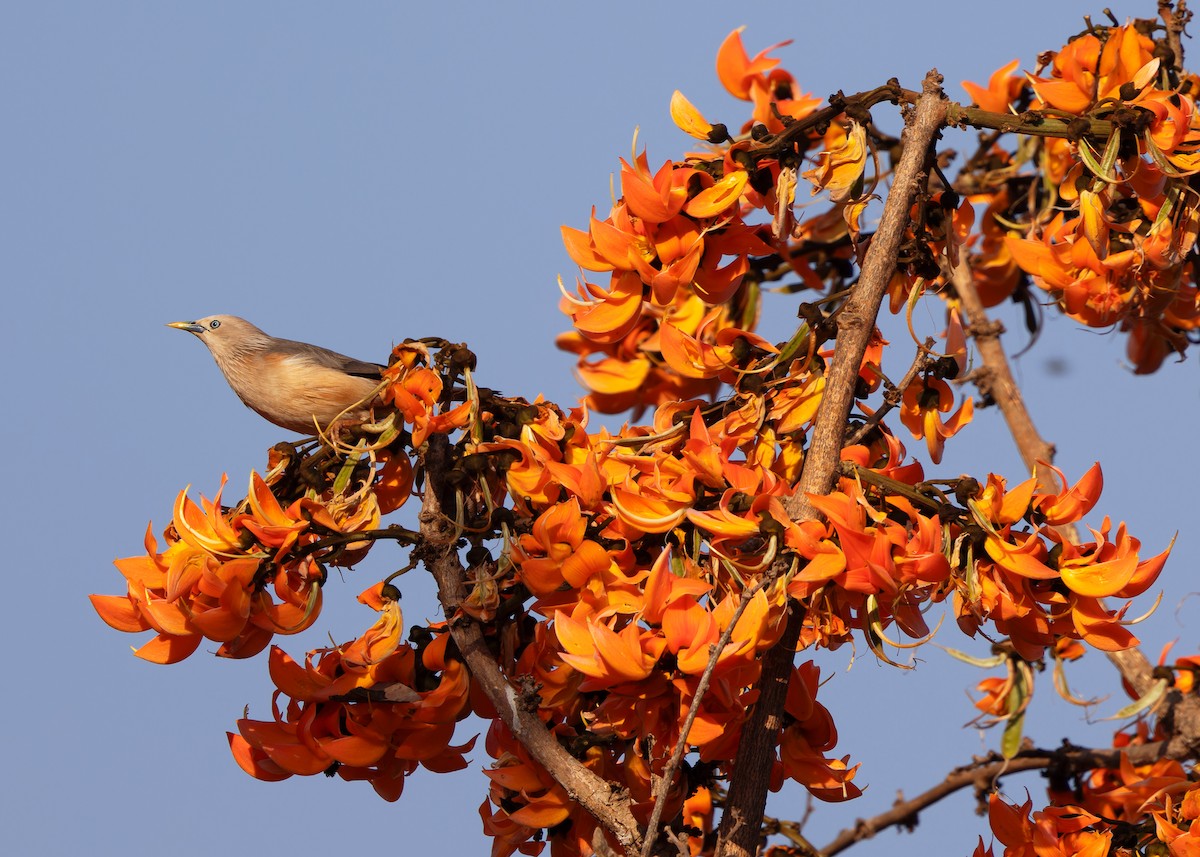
<point>663,243</point>
<point>332,722</point>
<point>639,545</point>
<point>1037,587</point>
<point>1145,808</point>
<point>1055,831</point>
<point>415,391</point>
<point>637,609</point>
<point>523,799</point>
<point>668,324</point>
<point>216,578</point>
<point>1113,243</point>
<point>637,549</point>
<point>1152,808</point>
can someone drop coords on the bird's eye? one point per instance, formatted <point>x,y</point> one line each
<point>214,324</point>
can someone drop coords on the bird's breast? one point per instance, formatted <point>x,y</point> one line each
<point>292,392</point>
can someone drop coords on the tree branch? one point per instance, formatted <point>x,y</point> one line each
<point>996,379</point>
<point>1174,22</point>
<point>741,823</point>
<point>1032,123</point>
<point>984,773</point>
<point>856,322</point>
<point>438,553</point>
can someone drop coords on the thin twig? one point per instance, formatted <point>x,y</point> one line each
<point>895,393</point>
<point>394,532</point>
<point>668,775</point>
<point>1032,123</point>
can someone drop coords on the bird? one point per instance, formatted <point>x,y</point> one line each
<point>297,386</point>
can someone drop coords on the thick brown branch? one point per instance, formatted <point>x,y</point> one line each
<point>1032,124</point>
<point>742,821</point>
<point>984,773</point>
<point>856,322</point>
<point>438,553</point>
<point>746,800</point>
<point>1175,20</point>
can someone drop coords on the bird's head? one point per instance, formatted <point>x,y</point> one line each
<point>224,334</point>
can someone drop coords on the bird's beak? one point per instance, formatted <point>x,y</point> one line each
<point>189,326</point>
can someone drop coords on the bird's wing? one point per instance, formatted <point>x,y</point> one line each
<point>324,357</point>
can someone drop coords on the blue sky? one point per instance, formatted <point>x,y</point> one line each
<point>353,174</point>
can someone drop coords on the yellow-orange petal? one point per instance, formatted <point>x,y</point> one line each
<point>1016,502</point>
<point>687,118</point>
<point>298,759</point>
<point>167,649</point>
<point>714,200</point>
<point>219,624</point>
<point>292,678</point>
<point>1074,503</point>
<point>254,761</point>
<point>1147,572</point>
<point>1098,629</point>
<point>541,812</point>
<point>1102,579</point>
<point>393,485</point>
<point>119,612</point>
<point>609,319</point>
<point>356,750</point>
<point>1020,559</point>
<point>611,376</point>
<point>648,513</point>
<point>588,560</point>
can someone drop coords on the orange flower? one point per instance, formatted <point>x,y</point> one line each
<point>382,638</point>
<point>607,316</point>
<point>657,198</point>
<point>1002,89</point>
<point>737,72</point>
<point>805,742</point>
<point>415,393</point>
<point>1102,568</point>
<point>840,167</point>
<point>606,656</point>
<point>925,400</point>
<point>771,90</point>
<point>654,495</point>
<point>556,554</point>
<point>1086,70</point>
